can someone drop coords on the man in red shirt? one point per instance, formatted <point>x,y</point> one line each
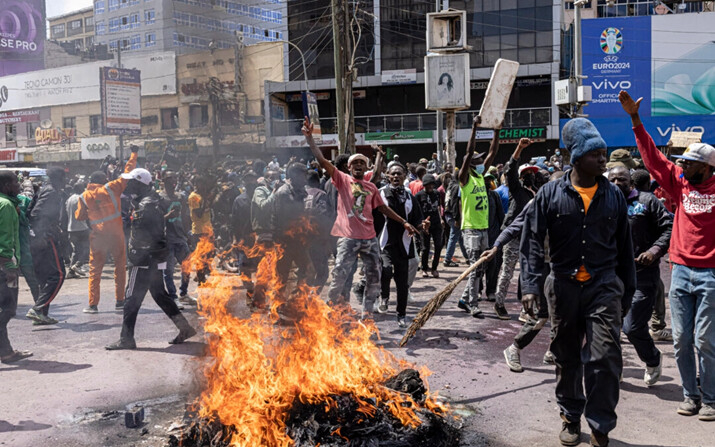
<point>353,227</point>
<point>692,253</point>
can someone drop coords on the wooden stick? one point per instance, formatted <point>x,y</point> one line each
<point>435,303</point>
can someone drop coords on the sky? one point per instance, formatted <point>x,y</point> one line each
<point>58,7</point>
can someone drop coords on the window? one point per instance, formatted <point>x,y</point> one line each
<point>150,39</point>
<point>99,7</point>
<point>124,44</point>
<point>113,25</point>
<point>88,23</point>
<point>75,24</point>
<point>88,41</point>
<point>170,118</point>
<point>58,30</point>
<point>134,20</point>
<point>149,16</point>
<point>31,127</point>
<point>113,5</point>
<point>113,45</point>
<point>95,124</point>
<point>74,27</point>
<point>69,122</point>
<point>124,22</point>
<point>100,28</point>
<point>136,42</point>
<point>198,116</point>
<point>10,135</point>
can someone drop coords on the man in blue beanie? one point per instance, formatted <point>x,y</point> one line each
<point>591,283</point>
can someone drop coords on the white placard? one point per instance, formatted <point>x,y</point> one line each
<point>79,83</point>
<point>99,147</point>
<point>447,82</point>
<point>498,92</point>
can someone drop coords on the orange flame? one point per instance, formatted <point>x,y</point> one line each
<point>201,258</point>
<point>260,369</point>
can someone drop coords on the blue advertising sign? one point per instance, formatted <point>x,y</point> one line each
<point>616,56</point>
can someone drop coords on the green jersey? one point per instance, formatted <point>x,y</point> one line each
<point>475,204</point>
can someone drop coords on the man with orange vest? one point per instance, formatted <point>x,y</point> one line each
<point>100,205</point>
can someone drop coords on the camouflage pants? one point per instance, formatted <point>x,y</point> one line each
<point>348,252</point>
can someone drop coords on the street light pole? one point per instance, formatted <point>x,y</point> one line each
<point>302,58</point>
<point>578,70</point>
<point>440,137</point>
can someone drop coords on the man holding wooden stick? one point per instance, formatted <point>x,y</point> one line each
<point>475,213</point>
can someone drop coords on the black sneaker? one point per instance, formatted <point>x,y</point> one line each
<point>689,407</point>
<point>549,358</point>
<point>502,314</point>
<point>119,305</point>
<point>450,264</point>
<point>382,308</point>
<point>401,322</point>
<point>570,433</point>
<point>90,310</point>
<point>464,306</point>
<point>599,439</point>
<point>476,312</point>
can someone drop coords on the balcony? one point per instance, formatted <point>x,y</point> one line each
<point>514,118</point>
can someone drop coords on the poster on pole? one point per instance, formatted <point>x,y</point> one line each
<point>447,82</point>
<point>310,109</point>
<point>120,93</point>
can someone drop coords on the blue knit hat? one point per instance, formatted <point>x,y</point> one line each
<point>581,136</point>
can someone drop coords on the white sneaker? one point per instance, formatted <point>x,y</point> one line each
<point>652,374</point>
<point>410,298</point>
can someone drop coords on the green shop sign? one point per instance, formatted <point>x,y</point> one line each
<point>407,137</point>
<point>538,134</point>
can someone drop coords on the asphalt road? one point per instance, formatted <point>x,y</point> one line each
<point>73,392</point>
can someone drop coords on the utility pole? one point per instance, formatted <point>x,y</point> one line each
<point>338,16</point>
<point>440,133</point>
<point>238,78</point>
<point>348,55</point>
<point>121,135</point>
<point>577,107</point>
<point>215,91</point>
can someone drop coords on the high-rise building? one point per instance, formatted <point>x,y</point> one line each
<point>186,26</point>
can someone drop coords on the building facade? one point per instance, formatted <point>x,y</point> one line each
<point>186,26</point>
<point>76,27</point>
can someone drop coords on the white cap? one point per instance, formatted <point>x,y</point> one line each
<point>138,174</point>
<point>528,167</point>
<point>358,157</point>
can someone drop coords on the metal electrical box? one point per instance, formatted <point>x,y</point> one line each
<point>446,31</point>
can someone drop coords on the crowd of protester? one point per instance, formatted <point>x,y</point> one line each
<point>587,233</point>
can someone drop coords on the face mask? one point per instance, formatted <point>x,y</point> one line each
<point>558,152</point>
<point>528,180</point>
<point>479,169</point>
<point>551,168</point>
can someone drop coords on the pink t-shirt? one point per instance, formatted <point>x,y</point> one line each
<point>356,200</point>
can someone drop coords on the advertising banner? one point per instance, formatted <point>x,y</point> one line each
<point>616,56</point>
<point>120,90</point>
<point>667,60</point>
<point>397,77</point>
<point>78,83</point>
<point>99,147</point>
<point>8,155</point>
<point>407,137</point>
<point>21,116</point>
<point>22,36</point>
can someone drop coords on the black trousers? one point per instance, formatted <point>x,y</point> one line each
<point>319,256</point>
<point>435,233</point>
<point>49,270</point>
<point>139,281</point>
<point>80,248</point>
<point>635,324</point>
<point>492,274</point>
<point>294,252</point>
<point>586,320</point>
<point>8,308</point>
<point>397,267</point>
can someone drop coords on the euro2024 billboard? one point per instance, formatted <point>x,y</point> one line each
<point>22,36</point>
<point>667,60</point>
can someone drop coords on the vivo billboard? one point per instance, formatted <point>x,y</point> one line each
<point>667,60</point>
<point>22,36</point>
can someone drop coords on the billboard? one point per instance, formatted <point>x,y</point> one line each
<point>22,36</point>
<point>121,104</point>
<point>76,84</point>
<point>447,82</point>
<point>667,60</point>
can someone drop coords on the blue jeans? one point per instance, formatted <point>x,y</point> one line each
<point>455,235</point>
<point>178,251</point>
<point>692,308</point>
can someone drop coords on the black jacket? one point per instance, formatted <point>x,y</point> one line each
<point>518,195</point>
<point>651,224</point>
<point>147,240</point>
<point>47,213</point>
<point>496,215</point>
<point>395,230</point>
<point>452,206</point>
<point>600,239</point>
<point>429,205</point>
